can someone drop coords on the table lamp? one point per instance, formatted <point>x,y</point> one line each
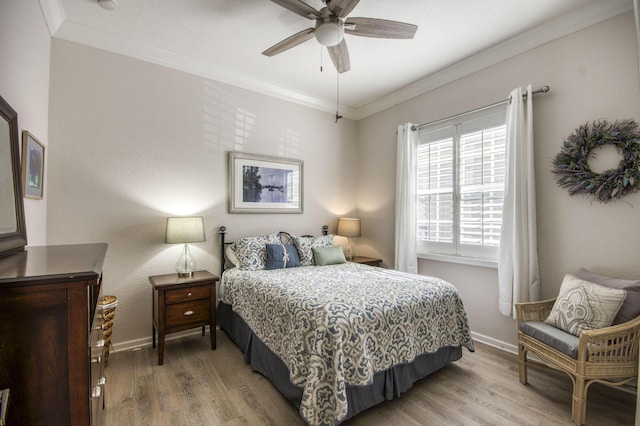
<point>185,230</point>
<point>348,227</point>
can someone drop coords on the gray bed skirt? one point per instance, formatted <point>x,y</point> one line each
<point>386,384</point>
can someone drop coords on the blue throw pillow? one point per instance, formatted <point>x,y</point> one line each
<point>281,256</point>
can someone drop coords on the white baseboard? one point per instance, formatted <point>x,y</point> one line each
<point>145,342</point>
<point>499,344</point>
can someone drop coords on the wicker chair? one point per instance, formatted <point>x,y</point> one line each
<point>607,355</point>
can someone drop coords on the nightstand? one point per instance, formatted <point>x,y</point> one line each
<point>366,260</point>
<point>183,303</point>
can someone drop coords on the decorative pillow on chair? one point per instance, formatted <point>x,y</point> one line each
<point>306,244</point>
<point>281,256</point>
<point>583,305</point>
<point>251,251</point>
<point>631,307</point>
<point>328,255</point>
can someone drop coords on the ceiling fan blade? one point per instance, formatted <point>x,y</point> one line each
<point>299,7</point>
<point>290,42</point>
<point>340,56</point>
<point>379,28</point>
<point>342,8</point>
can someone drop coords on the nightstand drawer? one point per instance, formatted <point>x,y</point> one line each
<point>187,294</point>
<point>187,313</point>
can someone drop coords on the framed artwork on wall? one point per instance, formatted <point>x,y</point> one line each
<point>32,166</point>
<point>263,184</point>
<point>13,230</point>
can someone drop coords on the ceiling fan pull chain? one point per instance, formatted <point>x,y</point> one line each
<point>321,58</point>
<point>338,116</point>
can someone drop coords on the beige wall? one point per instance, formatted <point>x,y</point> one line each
<point>24,83</point>
<point>136,142</point>
<point>129,143</point>
<point>593,74</point>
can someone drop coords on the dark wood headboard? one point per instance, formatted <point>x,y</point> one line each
<point>222,231</point>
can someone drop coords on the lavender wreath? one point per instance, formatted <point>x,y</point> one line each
<point>571,164</point>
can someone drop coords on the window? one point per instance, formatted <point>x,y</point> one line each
<point>461,170</point>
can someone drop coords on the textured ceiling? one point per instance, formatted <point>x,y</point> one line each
<point>223,40</point>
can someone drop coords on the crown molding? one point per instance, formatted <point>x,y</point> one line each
<point>63,28</point>
<point>553,30</point>
<point>53,14</point>
<point>115,43</point>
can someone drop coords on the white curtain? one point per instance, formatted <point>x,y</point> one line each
<point>518,276</point>
<point>406,181</point>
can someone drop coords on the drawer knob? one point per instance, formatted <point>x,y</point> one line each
<point>188,313</point>
<point>96,392</point>
<point>189,294</point>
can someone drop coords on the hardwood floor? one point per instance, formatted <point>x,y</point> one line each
<point>197,386</point>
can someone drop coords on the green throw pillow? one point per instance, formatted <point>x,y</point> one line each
<point>328,255</point>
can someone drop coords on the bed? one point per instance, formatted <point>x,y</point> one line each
<point>339,338</point>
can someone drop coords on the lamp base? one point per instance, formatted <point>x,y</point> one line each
<point>349,255</point>
<point>186,264</point>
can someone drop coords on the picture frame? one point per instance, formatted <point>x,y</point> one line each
<point>636,16</point>
<point>13,228</point>
<point>264,184</point>
<point>32,166</point>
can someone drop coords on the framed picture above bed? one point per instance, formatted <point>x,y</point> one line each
<point>263,184</point>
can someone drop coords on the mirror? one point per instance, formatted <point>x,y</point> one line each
<point>13,233</point>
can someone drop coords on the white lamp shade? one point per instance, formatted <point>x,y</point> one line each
<point>348,227</point>
<point>184,230</point>
<point>329,33</point>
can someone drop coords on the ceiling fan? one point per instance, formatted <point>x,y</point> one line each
<point>332,24</point>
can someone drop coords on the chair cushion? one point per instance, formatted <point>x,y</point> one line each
<point>551,336</point>
<point>630,309</point>
<point>583,305</point>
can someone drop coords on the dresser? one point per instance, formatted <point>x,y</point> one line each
<point>50,336</point>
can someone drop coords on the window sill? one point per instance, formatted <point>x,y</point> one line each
<point>475,261</point>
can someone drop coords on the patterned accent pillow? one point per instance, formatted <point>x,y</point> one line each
<point>281,256</point>
<point>583,305</point>
<point>306,244</point>
<point>251,251</point>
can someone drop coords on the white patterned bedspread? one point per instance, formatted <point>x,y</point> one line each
<point>338,325</point>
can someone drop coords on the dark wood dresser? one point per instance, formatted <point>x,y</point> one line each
<point>50,336</point>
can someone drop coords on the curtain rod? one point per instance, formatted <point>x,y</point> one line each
<point>543,89</point>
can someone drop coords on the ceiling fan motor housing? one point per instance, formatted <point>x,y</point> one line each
<point>329,30</point>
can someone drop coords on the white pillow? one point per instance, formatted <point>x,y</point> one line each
<point>230,253</point>
<point>583,305</point>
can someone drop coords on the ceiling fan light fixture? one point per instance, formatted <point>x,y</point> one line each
<point>108,4</point>
<point>329,33</point>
